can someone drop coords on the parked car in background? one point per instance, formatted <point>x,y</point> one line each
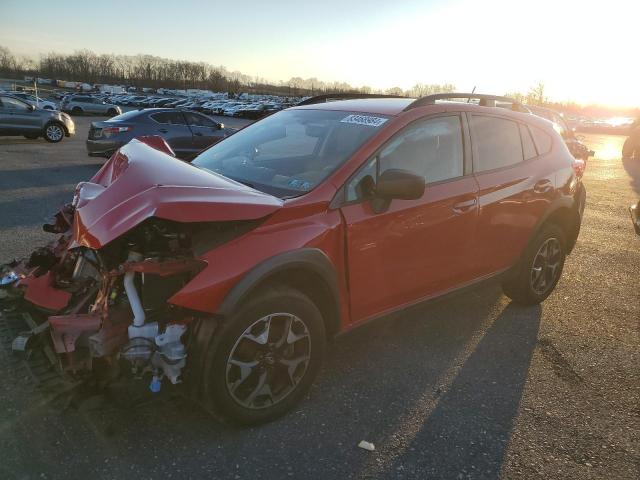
<point>35,101</point>
<point>233,272</point>
<point>186,132</point>
<point>578,149</point>
<point>176,103</point>
<point>18,117</point>
<point>81,104</point>
<point>255,112</point>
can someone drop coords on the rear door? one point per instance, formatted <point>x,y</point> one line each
<point>173,128</point>
<point>412,249</point>
<point>205,131</point>
<point>516,187</point>
<point>17,117</point>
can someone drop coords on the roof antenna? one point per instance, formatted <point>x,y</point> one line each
<point>472,92</point>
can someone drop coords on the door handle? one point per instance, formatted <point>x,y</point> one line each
<point>543,186</point>
<point>462,207</point>
<point>163,130</point>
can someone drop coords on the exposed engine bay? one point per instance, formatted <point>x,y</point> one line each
<point>107,309</point>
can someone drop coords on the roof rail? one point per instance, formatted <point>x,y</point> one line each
<point>329,97</point>
<point>485,100</point>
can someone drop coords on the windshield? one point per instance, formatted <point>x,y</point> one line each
<point>290,152</point>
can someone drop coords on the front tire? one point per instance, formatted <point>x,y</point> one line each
<point>112,112</point>
<point>540,268</point>
<point>53,132</point>
<point>263,360</point>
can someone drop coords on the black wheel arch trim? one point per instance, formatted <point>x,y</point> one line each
<point>312,259</point>
<point>561,203</point>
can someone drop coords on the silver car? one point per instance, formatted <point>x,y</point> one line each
<point>19,118</point>
<point>79,104</point>
<point>35,101</point>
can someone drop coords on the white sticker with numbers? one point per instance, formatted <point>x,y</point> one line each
<point>364,120</point>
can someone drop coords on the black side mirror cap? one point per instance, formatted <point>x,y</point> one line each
<point>400,184</point>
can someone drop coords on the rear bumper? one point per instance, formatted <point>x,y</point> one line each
<point>102,148</point>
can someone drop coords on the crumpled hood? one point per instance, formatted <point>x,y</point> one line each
<point>140,182</point>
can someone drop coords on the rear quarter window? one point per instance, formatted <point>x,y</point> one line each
<point>528,148</point>
<point>542,140</point>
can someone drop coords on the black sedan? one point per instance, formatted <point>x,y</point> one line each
<point>186,132</point>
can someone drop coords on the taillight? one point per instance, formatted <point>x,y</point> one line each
<point>578,166</point>
<point>115,130</point>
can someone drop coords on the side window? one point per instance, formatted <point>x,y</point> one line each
<point>528,147</point>
<point>431,148</point>
<point>198,120</point>
<point>161,117</point>
<point>497,143</point>
<point>363,182</point>
<point>176,118</point>
<point>14,104</point>
<point>542,140</point>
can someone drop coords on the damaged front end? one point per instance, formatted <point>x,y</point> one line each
<point>109,306</point>
<point>100,294</point>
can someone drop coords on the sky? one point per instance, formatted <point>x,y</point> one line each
<point>584,51</point>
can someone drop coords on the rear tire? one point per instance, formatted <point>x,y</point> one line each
<point>537,273</point>
<point>53,132</point>
<point>253,377</point>
<point>111,112</point>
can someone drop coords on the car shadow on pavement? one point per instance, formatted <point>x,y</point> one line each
<point>632,166</point>
<point>468,431</point>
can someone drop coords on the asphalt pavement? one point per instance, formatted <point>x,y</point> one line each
<point>470,387</point>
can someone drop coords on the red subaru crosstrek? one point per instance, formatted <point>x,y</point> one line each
<point>231,272</point>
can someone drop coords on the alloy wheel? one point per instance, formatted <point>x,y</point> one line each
<point>546,266</point>
<point>54,132</point>
<point>268,361</point>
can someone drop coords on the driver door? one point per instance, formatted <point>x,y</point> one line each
<point>412,249</point>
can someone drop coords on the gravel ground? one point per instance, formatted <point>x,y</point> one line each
<point>470,387</point>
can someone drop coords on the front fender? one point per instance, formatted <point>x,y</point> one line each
<point>310,259</point>
<point>316,242</point>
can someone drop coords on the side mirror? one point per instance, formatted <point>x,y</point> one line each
<point>400,184</point>
<point>31,108</point>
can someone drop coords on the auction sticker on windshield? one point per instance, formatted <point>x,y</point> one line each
<point>364,120</point>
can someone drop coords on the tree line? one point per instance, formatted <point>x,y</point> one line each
<point>156,72</point>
